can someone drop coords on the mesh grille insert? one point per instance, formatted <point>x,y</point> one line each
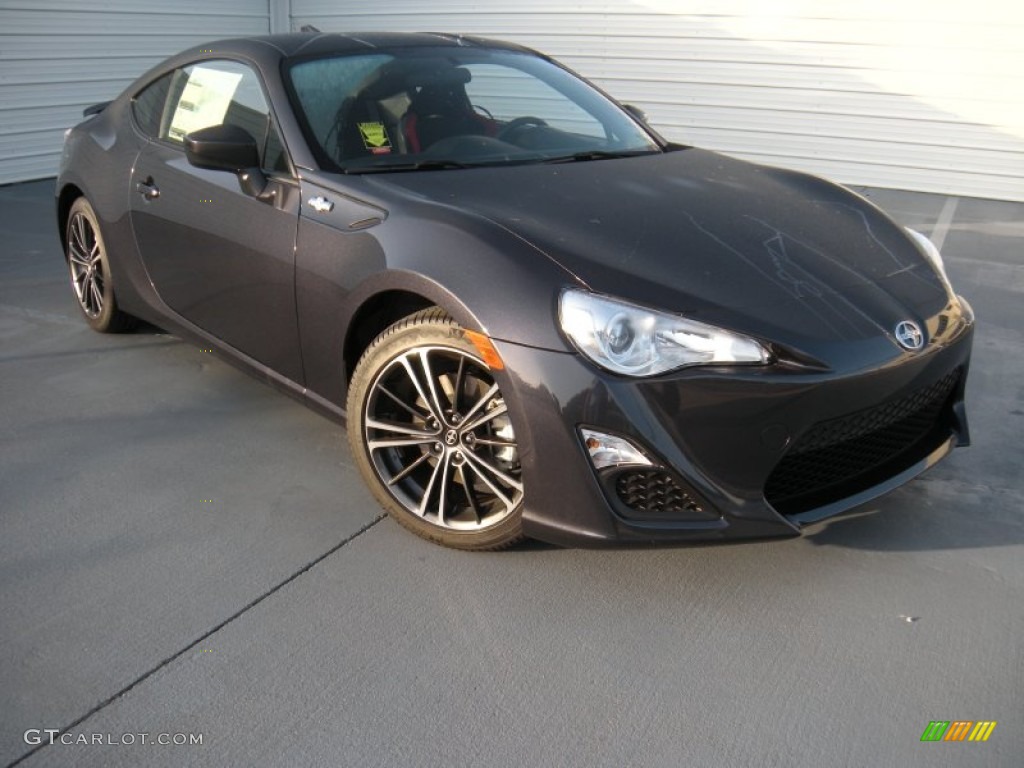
<point>834,454</point>
<point>654,492</point>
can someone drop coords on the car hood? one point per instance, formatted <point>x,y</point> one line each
<point>774,253</point>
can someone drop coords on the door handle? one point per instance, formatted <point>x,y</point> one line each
<point>148,189</point>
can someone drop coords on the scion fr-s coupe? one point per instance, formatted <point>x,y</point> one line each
<point>536,316</point>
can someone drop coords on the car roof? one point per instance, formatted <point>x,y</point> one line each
<point>315,44</point>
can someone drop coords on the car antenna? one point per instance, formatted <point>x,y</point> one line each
<point>308,28</point>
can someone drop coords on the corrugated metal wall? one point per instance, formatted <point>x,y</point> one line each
<point>913,94</point>
<point>59,56</point>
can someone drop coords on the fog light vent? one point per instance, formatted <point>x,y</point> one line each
<point>654,492</point>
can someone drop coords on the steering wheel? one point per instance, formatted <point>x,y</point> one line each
<point>513,127</point>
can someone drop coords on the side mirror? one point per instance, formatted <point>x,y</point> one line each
<point>222,148</point>
<point>637,113</point>
<point>229,148</point>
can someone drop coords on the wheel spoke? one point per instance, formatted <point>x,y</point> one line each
<point>473,464</point>
<point>402,429</point>
<point>495,441</point>
<point>439,469</point>
<point>485,417</point>
<point>408,470</point>
<point>459,379</point>
<point>480,403</point>
<point>467,487</point>
<point>419,388</point>
<point>78,234</point>
<point>435,402</point>
<point>410,435</point>
<point>442,498</point>
<point>479,463</point>
<point>398,442</point>
<point>97,296</point>
<point>402,404</point>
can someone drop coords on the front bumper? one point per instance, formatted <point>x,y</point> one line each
<point>742,452</point>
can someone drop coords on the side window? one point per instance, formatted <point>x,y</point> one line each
<point>221,93</point>
<point>148,105</point>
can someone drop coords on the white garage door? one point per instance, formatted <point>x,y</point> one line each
<point>913,94</point>
<point>59,56</point>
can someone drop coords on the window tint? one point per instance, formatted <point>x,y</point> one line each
<point>222,93</point>
<point>148,105</point>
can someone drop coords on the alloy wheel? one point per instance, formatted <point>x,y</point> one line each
<point>86,264</point>
<point>440,440</point>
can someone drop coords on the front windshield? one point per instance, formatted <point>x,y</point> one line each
<point>423,107</point>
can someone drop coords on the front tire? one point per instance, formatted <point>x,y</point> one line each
<point>430,432</point>
<point>91,280</point>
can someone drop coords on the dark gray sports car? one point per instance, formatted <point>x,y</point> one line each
<point>537,316</point>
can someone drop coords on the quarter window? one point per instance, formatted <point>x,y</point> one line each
<point>148,105</point>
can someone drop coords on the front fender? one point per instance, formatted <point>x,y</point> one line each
<point>485,277</point>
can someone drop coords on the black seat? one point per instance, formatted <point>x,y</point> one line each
<point>440,108</point>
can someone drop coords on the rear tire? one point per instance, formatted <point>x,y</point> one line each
<point>431,435</point>
<point>91,279</point>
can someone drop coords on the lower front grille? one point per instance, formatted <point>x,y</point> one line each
<point>839,457</point>
<point>653,492</point>
<point>654,495</point>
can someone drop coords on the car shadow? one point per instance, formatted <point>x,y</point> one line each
<point>930,514</point>
<point>148,329</point>
<point>935,512</point>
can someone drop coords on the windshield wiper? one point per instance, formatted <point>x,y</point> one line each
<point>422,165</point>
<point>599,154</point>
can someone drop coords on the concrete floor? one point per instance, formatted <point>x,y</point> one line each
<point>185,551</point>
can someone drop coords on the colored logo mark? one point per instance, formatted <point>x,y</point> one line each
<point>374,134</point>
<point>375,138</point>
<point>958,730</point>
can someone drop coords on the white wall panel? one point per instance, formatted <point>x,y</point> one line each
<point>59,56</point>
<point>917,94</point>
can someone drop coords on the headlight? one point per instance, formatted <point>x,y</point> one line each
<point>636,341</point>
<point>930,252</point>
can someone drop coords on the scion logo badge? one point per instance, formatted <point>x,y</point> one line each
<point>320,204</point>
<point>909,335</point>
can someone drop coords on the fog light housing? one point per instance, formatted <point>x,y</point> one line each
<point>610,451</point>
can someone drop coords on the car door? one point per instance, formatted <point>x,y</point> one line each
<point>222,259</point>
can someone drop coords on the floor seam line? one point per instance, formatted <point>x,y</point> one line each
<point>177,655</point>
